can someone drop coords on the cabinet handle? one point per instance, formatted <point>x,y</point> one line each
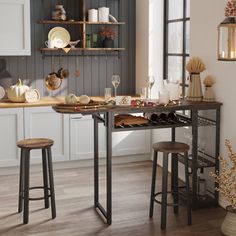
<point>76,118</point>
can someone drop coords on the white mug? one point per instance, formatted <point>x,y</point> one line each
<point>49,44</point>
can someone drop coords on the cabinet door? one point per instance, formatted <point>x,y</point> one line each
<point>15,27</point>
<point>123,143</point>
<point>131,142</point>
<point>11,126</point>
<point>81,138</point>
<point>45,123</point>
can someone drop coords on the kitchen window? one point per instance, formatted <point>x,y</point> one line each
<point>176,40</point>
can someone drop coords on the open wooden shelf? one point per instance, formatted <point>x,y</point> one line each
<point>84,49</point>
<point>69,22</point>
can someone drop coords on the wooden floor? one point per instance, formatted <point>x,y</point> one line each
<point>76,215</point>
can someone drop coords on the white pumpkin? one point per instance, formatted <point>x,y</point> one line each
<point>70,98</point>
<point>84,99</point>
<point>16,93</point>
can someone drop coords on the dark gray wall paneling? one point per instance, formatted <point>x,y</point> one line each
<point>95,72</point>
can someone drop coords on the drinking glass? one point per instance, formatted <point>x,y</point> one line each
<point>107,94</point>
<point>143,93</point>
<point>115,80</point>
<point>150,82</point>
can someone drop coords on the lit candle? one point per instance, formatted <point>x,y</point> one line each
<point>223,54</point>
<point>232,54</point>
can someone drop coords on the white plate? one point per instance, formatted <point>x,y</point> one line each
<point>59,36</point>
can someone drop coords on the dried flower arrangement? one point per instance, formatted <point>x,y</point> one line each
<point>227,177</point>
<point>108,32</point>
<point>195,65</point>
<point>230,9</point>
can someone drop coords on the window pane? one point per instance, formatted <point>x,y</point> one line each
<point>175,9</point>
<point>175,38</point>
<point>188,8</point>
<point>175,68</point>
<point>187,38</point>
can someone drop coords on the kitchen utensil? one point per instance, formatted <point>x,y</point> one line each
<point>49,44</point>
<point>63,73</point>
<point>52,81</point>
<point>112,18</point>
<point>115,80</point>
<point>107,94</point>
<point>59,36</point>
<point>150,83</point>
<point>73,43</point>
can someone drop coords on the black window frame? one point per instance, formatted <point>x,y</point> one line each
<point>166,54</point>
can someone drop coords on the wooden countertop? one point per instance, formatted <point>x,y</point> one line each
<point>45,101</point>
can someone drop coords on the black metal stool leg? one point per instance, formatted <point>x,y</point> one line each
<point>152,198</point>
<point>164,190</point>
<point>45,178</point>
<point>21,184</point>
<point>26,185</point>
<point>189,215</point>
<point>175,182</point>
<point>51,181</point>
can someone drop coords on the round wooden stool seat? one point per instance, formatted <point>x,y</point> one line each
<point>35,143</point>
<point>170,147</point>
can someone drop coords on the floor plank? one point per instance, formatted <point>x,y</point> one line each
<point>76,215</point>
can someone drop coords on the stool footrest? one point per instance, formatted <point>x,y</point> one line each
<point>168,204</point>
<point>38,198</point>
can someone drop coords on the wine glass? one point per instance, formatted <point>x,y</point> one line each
<point>115,80</point>
<point>150,82</point>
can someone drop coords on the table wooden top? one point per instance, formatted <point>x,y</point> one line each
<point>182,105</point>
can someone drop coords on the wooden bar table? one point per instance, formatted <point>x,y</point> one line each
<point>188,116</point>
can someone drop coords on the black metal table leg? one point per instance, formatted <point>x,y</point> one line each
<point>96,164</point>
<point>51,181</point>
<point>26,186</point>
<point>21,181</point>
<point>109,167</point>
<point>45,178</point>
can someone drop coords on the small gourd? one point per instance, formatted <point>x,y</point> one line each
<point>32,95</point>
<point>84,99</point>
<point>71,99</point>
<point>16,93</point>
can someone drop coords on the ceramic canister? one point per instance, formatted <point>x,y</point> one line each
<point>93,15</point>
<point>103,14</point>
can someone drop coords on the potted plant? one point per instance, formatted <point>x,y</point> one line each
<point>226,180</point>
<point>108,34</point>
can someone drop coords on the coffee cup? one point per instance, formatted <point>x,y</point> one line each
<point>49,44</point>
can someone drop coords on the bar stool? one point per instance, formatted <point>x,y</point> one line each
<point>26,146</point>
<point>167,148</point>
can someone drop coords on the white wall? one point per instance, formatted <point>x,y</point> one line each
<point>142,25</point>
<point>205,17</point>
<point>149,43</point>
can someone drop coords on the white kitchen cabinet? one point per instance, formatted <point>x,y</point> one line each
<point>81,138</point>
<point>12,130</point>
<point>131,142</point>
<point>43,122</point>
<point>15,27</point>
<point>124,143</point>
